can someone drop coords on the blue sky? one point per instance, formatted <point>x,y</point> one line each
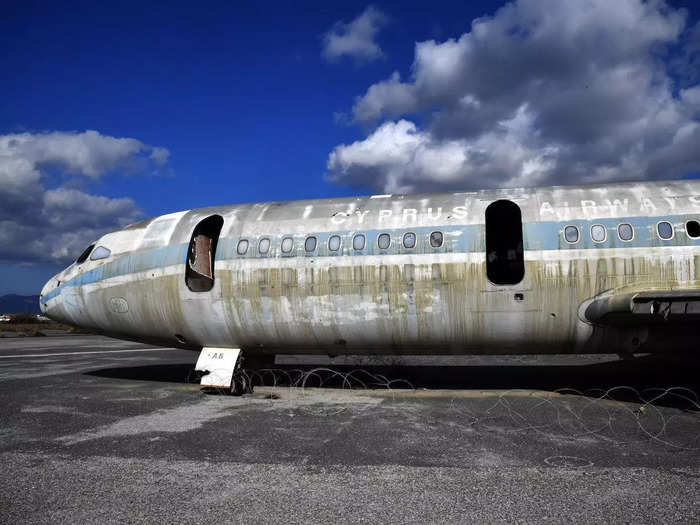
<point>232,102</point>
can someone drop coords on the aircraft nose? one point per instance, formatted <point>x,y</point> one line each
<point>44,291</point>
<point>46,294</point>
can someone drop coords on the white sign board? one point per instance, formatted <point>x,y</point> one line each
<point>219,363</point>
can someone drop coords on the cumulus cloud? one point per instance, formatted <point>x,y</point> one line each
<point>542,92</point>
<point>355,39</point>
<point>160,155</point>
<point>53,225</point>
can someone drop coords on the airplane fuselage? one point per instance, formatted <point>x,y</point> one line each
<point>502,271</point>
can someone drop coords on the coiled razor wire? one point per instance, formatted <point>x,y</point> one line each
<point>612,406</point>
<point>322,377</point>
<point>567,422</point>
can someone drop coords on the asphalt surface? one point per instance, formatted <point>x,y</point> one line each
<point>96,430</point>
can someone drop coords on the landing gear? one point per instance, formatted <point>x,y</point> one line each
<point>240,384</point>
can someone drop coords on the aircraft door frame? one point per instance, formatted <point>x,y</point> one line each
<point>504,243</point>
<point>201,254</point>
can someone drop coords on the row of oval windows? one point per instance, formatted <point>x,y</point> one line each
<point>334,243</point>
<point>625,231</point>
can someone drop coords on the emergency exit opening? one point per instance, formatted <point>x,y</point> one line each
<point>504,243</point>
<point>199,271</point>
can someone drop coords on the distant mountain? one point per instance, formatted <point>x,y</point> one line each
<point>19,304</point>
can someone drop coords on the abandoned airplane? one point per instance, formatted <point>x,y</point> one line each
<point>579,269</point>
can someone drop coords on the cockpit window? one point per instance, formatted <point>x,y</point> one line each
<point>83,256</point>
<point>100,253</point>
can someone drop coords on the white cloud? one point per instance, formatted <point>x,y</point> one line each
<point>88,153</point>
<point>355,39</point>
<point>543,91</point>
<point>160,155</point>
<point>54,225</point>
<point>390,96</point>
<point>399,158</point>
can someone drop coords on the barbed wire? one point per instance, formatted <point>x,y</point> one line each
<point>573,414</point>
<point>596,413</point>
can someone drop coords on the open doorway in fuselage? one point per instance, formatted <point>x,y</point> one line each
<point>201,254</point>
<point>505,263</point>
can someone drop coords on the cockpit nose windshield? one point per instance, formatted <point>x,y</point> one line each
<point>95,253</point>
<point>83,256</point>
<point>53,289</point>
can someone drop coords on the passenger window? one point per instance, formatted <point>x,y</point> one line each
<point>310,244</point>
<point>242,247</point>
<point>571,234</point>
<point>436,239</point>
<point>264,246</point>
<point>287,244</point>
<point>100,253</point>
<point>598,233</point>
<point>409,240</point>
<point>334,243</point>
<point>83,256</point>
<point>693,229</point>
<point>625,231</point>
<point>665,230</point>
<point>383,241</point>
<point>358,242</point>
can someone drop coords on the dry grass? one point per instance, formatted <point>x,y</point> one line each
<point>35,329</point>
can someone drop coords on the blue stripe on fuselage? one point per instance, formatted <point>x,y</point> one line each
<point>457,239</point>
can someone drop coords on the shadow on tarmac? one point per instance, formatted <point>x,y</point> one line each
<point>643,376</point>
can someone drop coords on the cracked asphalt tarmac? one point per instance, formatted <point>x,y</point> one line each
<point>98,430</point>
